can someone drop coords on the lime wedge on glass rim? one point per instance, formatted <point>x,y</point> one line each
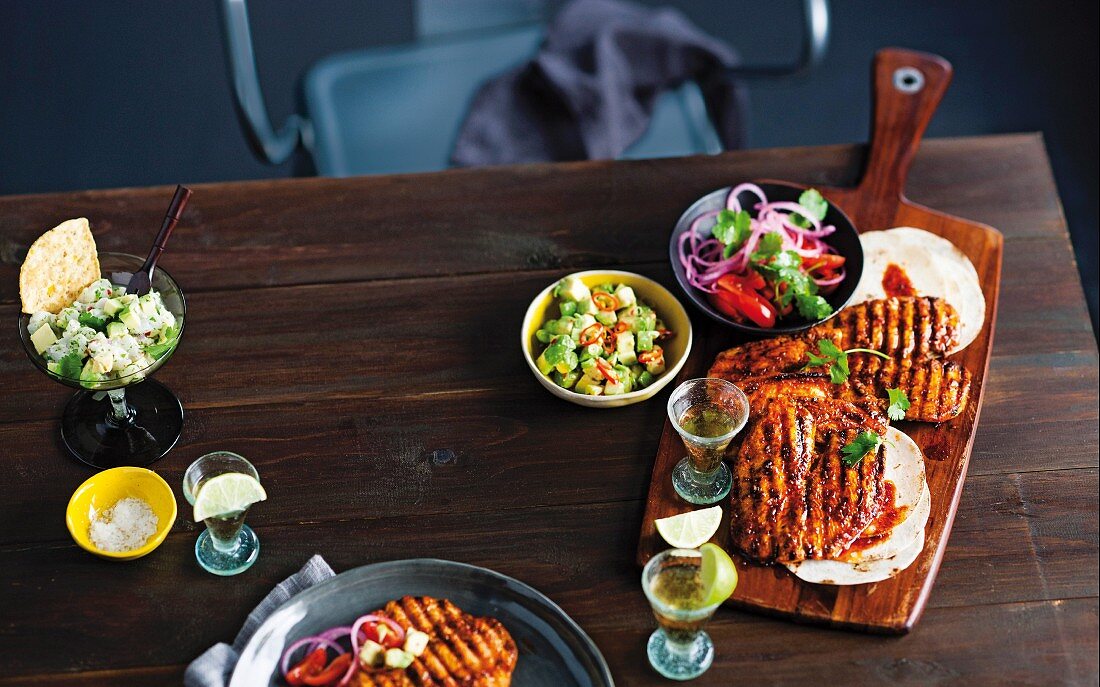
<point>690,530</point>
<point>718,573</point>
<point>226,494</point>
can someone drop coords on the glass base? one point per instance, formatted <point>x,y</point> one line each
<point>680,663</point>
<point>157,423</point>
<point>686,482</point>
<point>228,562</point>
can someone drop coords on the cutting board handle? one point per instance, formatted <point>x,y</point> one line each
<point>907,87</point>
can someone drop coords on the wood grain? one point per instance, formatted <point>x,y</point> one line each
<point>877,202</point>
<point>1015,600</point>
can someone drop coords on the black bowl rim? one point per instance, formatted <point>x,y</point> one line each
<point>693,294</point>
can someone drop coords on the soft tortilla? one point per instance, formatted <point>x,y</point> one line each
<point>935,267</point>
<point>866,572</point>
<point>905,468</point>
<point>59,265</point>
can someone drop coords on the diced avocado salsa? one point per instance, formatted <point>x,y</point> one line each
<point>105,335</point>
<point>604,342</point>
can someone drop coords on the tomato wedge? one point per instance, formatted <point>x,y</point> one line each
<point>311,665</point>
<point>736,298</point>
<point>387,638</point>
<point>605,301</point>
<point>828,261</point>
<point>330,675</point>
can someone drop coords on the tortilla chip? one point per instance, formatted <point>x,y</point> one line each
<point>59,265</point>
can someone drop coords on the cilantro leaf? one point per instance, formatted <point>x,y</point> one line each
<point>89,320</point>
<point>770,244</point>
<point>733,229</point>
<point>812,200</point>
<point>834,358</point>
<point>812,306</point>
<point>71,365</point>
<point>814,204</point>
<point>899,403</point>
<point>864,443</point>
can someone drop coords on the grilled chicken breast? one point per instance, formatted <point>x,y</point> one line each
<point>793,497</point>
<point>937,389</point>
<point>463,651</point>
<point>911,328</point>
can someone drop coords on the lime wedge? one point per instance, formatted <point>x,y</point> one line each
<point>718,573</point>
<point>690,530</point>
<point>229,493</point>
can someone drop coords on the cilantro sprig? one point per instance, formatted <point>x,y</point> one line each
<point>837,360</point>
<point>899,403</point>
<point>733,229</point>
<point>864,443</point>
<point>814,203</point>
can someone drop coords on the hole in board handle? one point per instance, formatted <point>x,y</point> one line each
<point>908,80</point>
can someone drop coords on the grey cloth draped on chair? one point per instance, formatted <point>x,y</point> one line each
<point>591,89</point>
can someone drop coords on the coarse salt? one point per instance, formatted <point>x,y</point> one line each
<point>125,526</point>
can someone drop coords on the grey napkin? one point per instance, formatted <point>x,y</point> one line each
<point>215,666</point>
<point>591,90</point>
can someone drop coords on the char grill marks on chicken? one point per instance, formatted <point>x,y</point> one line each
<point>926,328</point>
<point>793,497</point>
<point>914,328</point>
<point>463,650</point>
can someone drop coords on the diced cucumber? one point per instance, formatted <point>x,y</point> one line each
<point>567,380</point>
<point>543,336</point>
<point>624,346</point>
<point>568,362</point>
<point>606,317</point>
<point>566,341</point>
<point>645,379</point>
<point>645,340</point>
<point>586,306</point>
<point>568,308</point>
<point>573,289</point>
<point>625,295</point>
<point>588,365</point>
<point>589,385</point>
<point>544,365</point>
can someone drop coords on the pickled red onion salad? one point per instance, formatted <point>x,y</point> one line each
<point>762,263</point>
<point>376,643</point>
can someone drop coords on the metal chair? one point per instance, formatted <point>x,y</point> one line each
<point>398,109</point>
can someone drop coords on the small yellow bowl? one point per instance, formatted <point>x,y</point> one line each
<point>105,489</point>
<point>657,296</point>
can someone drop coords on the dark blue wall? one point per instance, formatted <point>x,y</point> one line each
<point>104,94</point>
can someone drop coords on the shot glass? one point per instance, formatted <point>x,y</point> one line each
<point>679,648</point>
<point>708,413</point>
<point>227,546</point>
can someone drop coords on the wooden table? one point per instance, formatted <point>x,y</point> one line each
<point>342,332</point>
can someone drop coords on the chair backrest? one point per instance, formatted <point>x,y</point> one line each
<point>391,110</point>
<point>398,109</point>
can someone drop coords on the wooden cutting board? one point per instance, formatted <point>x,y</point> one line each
<point>907,88</point>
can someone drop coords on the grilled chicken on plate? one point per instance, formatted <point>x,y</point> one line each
<point>462,650</point>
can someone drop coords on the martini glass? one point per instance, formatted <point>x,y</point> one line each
<point>707,413</point>
<point>132,420</point>
<point>228,546</point>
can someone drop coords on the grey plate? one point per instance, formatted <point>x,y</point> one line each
<point>553,650</point>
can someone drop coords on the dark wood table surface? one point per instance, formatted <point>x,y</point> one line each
<point>342,331</point>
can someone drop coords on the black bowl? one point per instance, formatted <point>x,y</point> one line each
<point>845,241</point>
